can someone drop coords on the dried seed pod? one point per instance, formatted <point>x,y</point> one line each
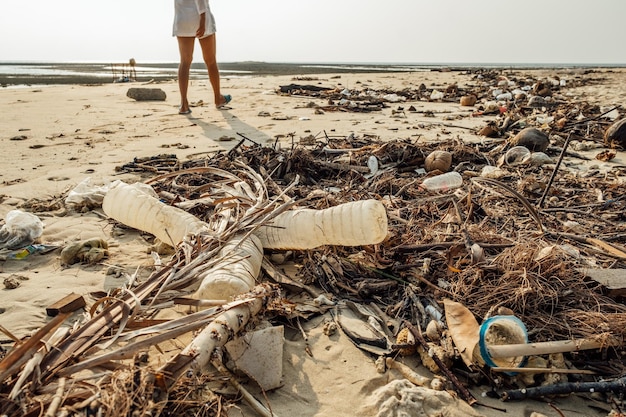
<point>615,135</point>
<point>433,331</point>
<point>438,160</point>
<point>406,338</point>
<point>490,131</point>
<point>468,100</point>
<point>532,138</point>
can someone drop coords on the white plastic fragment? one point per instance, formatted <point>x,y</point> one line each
<point>260,355</point>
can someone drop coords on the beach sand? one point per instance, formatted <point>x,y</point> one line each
<point>55,137</point>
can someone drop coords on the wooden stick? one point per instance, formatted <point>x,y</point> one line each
<point>544,348</point>
<point>556,169</point>
<point>56,400</point>
<point>67,304</point>
<point>618,385</point>
<point>249,398</point>
<point>544,370</point>
<point>23,353</point>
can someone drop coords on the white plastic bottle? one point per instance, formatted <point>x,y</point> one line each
<point>356,223</point>
<point>236,273</point>
<point>443,182</point>
<point>133,206</point>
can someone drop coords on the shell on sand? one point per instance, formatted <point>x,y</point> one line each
<point>468,100</point>
<point>532,138</point>
<point>490,131</point>
<point>438,160</point>
<point>615,135</point>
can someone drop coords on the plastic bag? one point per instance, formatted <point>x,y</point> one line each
<point>20,229</point>
<point>87,194</point>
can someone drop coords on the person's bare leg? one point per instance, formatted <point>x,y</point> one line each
<point>185,49</point>
<point>208,54</point>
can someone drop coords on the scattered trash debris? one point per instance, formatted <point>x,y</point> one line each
<point>508,245</point>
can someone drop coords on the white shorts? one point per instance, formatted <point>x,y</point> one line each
<point>187,18</point>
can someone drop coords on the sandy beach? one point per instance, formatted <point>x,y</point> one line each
<point>55,137</point>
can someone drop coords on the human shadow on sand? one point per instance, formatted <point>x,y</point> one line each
<point>238,130</point>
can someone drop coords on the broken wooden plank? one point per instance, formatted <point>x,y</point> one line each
<point>67,304</point>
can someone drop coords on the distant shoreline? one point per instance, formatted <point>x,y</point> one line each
<point>49,73</point>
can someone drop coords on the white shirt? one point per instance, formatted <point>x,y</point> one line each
<point>187,18</point>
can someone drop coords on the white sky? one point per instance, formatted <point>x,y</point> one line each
<point>389,31</point>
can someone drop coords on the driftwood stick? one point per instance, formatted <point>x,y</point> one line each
<point>344,167</point>
<point>56,400</point>
<point>544,370</point>
<point>618,385</point>
<point>461,389</point>
<point>443,245</point>
<point>598,244</point>
<point>249,398</point>
<point>408,373</point>
<point>22,354</point>
<point>556,169</point>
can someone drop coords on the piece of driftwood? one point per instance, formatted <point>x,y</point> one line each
<point>291,88</point>
<point>602,246</point>
<point>617,386</point>
<point>408,373</point>
<point>550,370</point>
<point>554,172</point>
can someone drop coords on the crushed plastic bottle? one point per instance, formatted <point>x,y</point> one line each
<point>356,223</point>
<point>443,182</point>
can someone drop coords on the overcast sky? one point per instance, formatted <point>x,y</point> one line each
<point>365,31</point>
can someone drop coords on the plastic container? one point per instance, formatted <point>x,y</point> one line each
<point>443,182</point>
<point>502,330</point>
<point>131,205</point>
<point>236,273</point>
<point>516,155</point>
<point>355,223</point>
